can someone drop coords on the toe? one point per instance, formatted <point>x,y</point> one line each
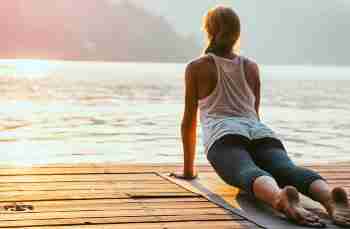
<point>313,217</point>
<point>315,222</point>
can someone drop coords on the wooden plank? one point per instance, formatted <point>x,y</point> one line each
<point>55,186</point>
<point>94,169</point>
<point>79,178</point>
<point>115,219</point>
<point>59,195</point>
<point>86,194</point>
<point>166,225</point>
<point>338,176</point>
<point>106,202</point>
<point>140,212</point>
<point>105,205</point>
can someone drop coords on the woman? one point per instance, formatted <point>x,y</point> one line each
<point>243,151</point>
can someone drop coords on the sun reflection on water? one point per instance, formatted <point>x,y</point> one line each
<point>26,68</point>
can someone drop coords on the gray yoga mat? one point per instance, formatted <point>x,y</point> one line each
<point>252,210</point>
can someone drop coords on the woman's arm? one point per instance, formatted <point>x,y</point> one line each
<point>254,80</point>
<point>257,91</point>
<point>189,123</point>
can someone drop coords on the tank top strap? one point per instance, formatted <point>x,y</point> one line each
<point>217,65</point>
<point>216,61</point>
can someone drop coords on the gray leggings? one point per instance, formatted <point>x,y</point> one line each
<point>239,161</point>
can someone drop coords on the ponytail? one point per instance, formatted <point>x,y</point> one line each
<point>219,46</point>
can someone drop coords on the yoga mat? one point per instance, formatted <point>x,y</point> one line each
<point>211,187</point>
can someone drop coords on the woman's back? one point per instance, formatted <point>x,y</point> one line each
<point>232,95</point>
<point>227,97</point>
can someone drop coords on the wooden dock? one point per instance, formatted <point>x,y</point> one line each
<point>112,196</point>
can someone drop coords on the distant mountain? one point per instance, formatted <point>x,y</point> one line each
<point>89,30</point>
<point>274,31</point>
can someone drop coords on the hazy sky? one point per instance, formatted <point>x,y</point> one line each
<point>186,16</point>
<point>313,31</point>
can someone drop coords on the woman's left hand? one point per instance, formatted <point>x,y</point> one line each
<point>183,176</point>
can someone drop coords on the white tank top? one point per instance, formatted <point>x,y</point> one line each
<point>230,108</point>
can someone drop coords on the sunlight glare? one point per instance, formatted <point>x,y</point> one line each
<point>30,68</point>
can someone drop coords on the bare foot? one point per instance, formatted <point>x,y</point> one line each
<point>340,208</point>
<point>289,205</point>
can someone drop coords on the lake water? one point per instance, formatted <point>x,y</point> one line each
<point>72,112</point>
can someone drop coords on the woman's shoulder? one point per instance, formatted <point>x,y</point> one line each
<point>252,68</point>
<point>249,61</point>
<point>203,67</point>
<point>200,62</point>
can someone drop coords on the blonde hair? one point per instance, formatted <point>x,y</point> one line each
<point>223,28</point>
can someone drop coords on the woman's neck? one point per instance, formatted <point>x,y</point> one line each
<point>228,55</point>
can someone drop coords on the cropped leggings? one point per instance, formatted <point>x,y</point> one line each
<point>239,161</point>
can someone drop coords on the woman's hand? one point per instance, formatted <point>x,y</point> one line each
<point>183,176</point>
